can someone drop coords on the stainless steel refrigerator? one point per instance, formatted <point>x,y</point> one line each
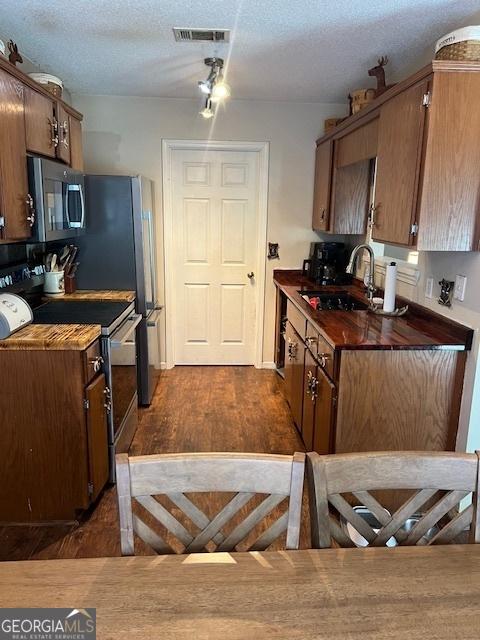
<point>118,252</point>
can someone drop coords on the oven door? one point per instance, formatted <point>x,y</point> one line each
<point>123,375</point>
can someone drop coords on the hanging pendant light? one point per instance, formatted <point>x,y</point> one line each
<point>214,87</point>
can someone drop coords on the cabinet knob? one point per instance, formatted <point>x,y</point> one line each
<point>65,134</point>
<point>54,132</point>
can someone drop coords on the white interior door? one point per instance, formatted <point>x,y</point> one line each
<point>215,209</point>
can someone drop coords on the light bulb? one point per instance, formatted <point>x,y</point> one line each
<point>204,87</point>
<point>207,113</point>
<point>220,90</point>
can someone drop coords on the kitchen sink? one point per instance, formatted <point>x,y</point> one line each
<point>333,301</point>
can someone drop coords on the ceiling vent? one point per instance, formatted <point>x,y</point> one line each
<point>201,35</point>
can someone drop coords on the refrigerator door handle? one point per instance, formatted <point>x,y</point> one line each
<point>153,275</point>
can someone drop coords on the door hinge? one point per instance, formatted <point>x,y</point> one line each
<point>427,99</point>
<point>90,488</point>
<point>86,404</point>
<point>414,229</point>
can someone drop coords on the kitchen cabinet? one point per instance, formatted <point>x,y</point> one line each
<point>16,213</point>
<point>321,195</point>
<point>427,182</point>
<point>57,462</point>
<point>96,420</point>
<point>318,406</point>
<point>348,395</point>
<point>76,145</point>
<point>294,362</point>
<point>51,130</point>
<point>400,136</point>
<point>63,123</point>
<point>40,123</point>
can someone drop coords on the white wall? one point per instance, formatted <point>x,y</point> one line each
<point>124,134</point>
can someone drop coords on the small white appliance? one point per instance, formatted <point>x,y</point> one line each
<point>15,313</point>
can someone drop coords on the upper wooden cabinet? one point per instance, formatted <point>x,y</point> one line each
<point>15,210</point>
<point>321,194</point>
<point>76,146</point>
<point>449,202</point>
<point>40,123</point>
<point>427,178</point>
<point>398,161</point>
<point>51,130</point>
<point>34,121</point>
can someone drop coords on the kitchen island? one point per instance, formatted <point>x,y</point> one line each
<point>356,381</point>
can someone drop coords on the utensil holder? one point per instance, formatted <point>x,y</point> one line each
<point>54,283</point>
<point>70,284</point>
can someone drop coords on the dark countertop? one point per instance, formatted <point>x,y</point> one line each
<point>420,328</point>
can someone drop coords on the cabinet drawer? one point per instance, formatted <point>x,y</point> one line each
<point>321,349</point>
<point>296,319</point>
<point>92,361</point>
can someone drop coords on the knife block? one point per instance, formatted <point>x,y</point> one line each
<point>70,284</point>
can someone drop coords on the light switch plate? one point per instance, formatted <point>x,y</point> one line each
<point>460,287</point>
<point>429,288</point>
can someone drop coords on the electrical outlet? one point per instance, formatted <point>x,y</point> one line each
<point>429,288</point>
<point>460,286</point>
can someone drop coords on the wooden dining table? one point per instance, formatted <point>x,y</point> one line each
<point>404,592</point>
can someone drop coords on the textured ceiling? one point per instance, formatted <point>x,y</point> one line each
<point>281,49</point>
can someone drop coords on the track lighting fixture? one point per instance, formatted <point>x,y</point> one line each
<point>214,87</point>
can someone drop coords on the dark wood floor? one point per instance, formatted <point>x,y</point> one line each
<point>194,409</point>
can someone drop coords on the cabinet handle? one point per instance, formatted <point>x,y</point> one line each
<point>30,210</point>
<point>108,399</point>
<point>314,388</point>
<point>292,349</point>
<point>371,215</point>
<point>310,341</point>
<point>97,363</point>
<point>322,217</point>
<point>323,358</point>
<point>54,132</point>
<point>65,134</point>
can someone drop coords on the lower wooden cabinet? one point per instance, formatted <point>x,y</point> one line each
<point>294,363</point>
<point>370,399</point>
<point>54,436</point>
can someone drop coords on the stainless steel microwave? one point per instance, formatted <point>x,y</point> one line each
<point>58,199</point>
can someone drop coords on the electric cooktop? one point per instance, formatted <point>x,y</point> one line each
<point>107,314</point>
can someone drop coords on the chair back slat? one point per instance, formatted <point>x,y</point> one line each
<point>143,480</point>
<point>434,513</point>
<point>209,472</point>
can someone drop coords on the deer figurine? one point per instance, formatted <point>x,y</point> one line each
<point>379,73</point>
<point>14,56</point>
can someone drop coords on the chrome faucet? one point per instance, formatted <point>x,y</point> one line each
<point>371,274</point>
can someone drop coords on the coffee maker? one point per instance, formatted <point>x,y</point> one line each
<point>327,263</point>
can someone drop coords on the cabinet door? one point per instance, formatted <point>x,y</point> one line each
<point>76,146</point>
<point>13,161</point>
<point>294,359</point>
<point>325,399</point>
<point>40,123</point>
<point>309,382</point>
<point>63,149</point>
<point>321,193</point>
<point>400,138</point>
<point>97,436</point>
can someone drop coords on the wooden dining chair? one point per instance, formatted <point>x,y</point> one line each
<point>152,495</point>
<point>438,485</point>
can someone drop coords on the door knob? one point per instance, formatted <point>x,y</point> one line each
<point>250,275</point>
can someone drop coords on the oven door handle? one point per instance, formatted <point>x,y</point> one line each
<point>120,337</point>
